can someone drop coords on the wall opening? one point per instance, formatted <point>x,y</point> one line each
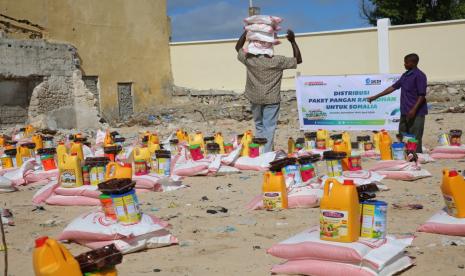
<point>15,96</point>
<point>93,86</point>
<point>125,102</point>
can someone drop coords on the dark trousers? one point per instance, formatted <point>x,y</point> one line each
<point>415,127</point>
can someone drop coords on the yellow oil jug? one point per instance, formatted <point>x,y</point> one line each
<point>29,130</point>
<point>453,191</point>
<point>76,148</point>
<point>341,146</point>
<point>274,191</point>
<point>61,151</point>
<point>346,138</point>
<point>323,134</point>
<point>71,171</point>
<point>37,139</point>
<point>197,139</point>
<point>339,212</point>
<point>2,140</point>
<point>182,136</point>
<point>385,143</point>
<point>245,142</point>
<point>51,258</point>
<point>220,141</point>
<point>23,153</point>
<point>118,170</point>
<point>142,154</point>
<point>154,139</point>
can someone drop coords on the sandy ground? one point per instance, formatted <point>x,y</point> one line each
<point>205,250</point>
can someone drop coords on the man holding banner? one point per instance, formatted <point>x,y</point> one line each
<point>413,107</point>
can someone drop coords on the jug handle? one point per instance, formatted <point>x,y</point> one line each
<point>108,170</point>
<point>327,183</point>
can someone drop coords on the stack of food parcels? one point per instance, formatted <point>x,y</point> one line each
<point>261,34</point>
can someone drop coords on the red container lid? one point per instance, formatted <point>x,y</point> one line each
<point>127,165</point>
<point>348,182</point>
<point>453,173</point>
<point>41,241</point>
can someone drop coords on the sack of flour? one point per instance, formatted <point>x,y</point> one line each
<point>263,28</point>
<point>263,19</point>
<point>260,48</point>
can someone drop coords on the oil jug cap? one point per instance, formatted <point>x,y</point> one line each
<point>453,173</point>
<point>74,154</point>
<point>127,165</point>
<point>348,182</point>
<point>41,241</point>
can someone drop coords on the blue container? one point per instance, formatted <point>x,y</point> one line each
<point>398,151</point>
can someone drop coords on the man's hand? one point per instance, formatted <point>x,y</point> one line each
<point>412,113</point>
<point>372,98</point>
<point>290,36</point>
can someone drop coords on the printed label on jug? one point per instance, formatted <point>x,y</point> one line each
<point>333,224</point>
<point>68,178</point>
<point>272,201</point>
<point>450,204</point>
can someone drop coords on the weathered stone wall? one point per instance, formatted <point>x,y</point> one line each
<point>61,99</point>
<point>24,58</point>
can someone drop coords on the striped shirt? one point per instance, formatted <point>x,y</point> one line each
<point>264,76</point>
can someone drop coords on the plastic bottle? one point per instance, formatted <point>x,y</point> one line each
<point>347,140</point>
<point>341,146</point>
<point>61,151</point>
<point>182,136</point>
<point>108,141</point>
<point>37,139</point>
<point>453,191</point>
<point>376,140</point>
<point>339,212</point>
<point>71,171</point>
<point>290,145</point>
<point>385,143</point>
<point>322,134</point>
<point>197,139</point>
<point>76,148</point>
<point>274,191</point>
<point>220,141</point>
<point>118,170</point>
<point>142,154</point>
<point>51,258</point>
<point>246,141</point>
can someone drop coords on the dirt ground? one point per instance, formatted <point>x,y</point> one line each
<point>205,249</point>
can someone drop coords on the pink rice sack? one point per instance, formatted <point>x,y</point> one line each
<point>400,170</point>
<point>93,229</point>
<point>264,28</point>
<point>326,268</point>
<point>301,197</point>
<point>263,19</point>
<point>260,163</point>
<point>442,223</point>
<point>373,253</point>
<point>448,152</point>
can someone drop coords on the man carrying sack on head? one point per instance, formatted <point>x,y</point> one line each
<point>263,86</point>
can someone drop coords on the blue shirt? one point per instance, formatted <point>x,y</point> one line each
<point>412,85</point>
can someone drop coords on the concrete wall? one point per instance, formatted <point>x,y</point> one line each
<point>117,40</point>
<point>213,64</point>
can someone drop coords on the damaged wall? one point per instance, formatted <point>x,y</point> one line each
<point>52,82</point>
<point>118,41</point>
